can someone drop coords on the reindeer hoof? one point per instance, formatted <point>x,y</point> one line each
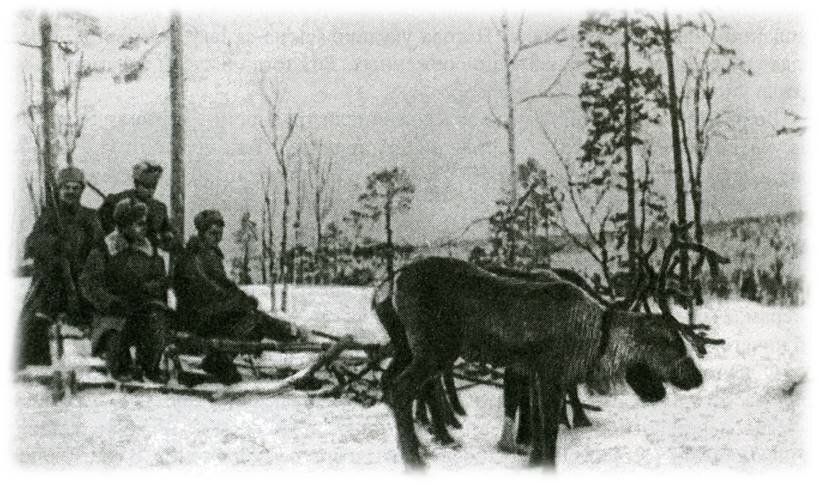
<point>423,453</point>
<point>576,423</point>
<point>512,448</point>
<point>449,443</point>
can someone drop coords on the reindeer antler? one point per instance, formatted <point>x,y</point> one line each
<point>694,333</point>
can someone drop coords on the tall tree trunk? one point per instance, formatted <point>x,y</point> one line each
<point>388,229</point>
<point>47,91</point>
<point>246,264</point>
<point>631,220</point>
<point>271,255</point>
<point>177,86</point>
<point>510,137</point>
<point>264,247</point>
<point>283,265</point>
<point>318,256</point>
<point>679,177</point>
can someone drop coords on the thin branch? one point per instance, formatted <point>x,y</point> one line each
<point>547,93</point>
<point>26,44</point>
<point>494,118</point>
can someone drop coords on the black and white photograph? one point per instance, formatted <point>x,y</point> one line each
<point>410,239</point>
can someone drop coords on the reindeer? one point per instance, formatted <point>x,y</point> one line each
<point>440,395</point>
<point>446,308</point>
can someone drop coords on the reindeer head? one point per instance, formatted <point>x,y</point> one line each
<point>664,356</point>
<point>660,356</point>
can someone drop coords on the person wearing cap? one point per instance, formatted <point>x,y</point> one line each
<point>209,304</point>
<point>146,177</point>
<point>126,282</point>
<point>62,234</point>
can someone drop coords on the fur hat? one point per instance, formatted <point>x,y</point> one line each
<point>128,211</point>
<point>206,218</point>
<point>70,174</point>
<point>146,173</point>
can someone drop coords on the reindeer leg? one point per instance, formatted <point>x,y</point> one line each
<point>398,364</point>
<point>524,438</point>
<point>579,418</point>
<point>402,393</point>
<point>514,389</point>
<point>441,392</point>
<point>551,398</point>
<point>421,404</point>
<point>452,393</point>
<point>537,451</point>
<point>564,414</point>
<point>438,407</point>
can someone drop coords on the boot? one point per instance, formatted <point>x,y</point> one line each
<point>118,358</point>
<point>222,369</point>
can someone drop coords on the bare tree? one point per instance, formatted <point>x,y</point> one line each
<point>245,237</point>
<point>263,256</point>
<point>319,170</point>
<point>514,46</point>
<point>297,258</point>
<point>35,181</point>
<point>676,144</point>
<point>73,119</point>
<point>696,99</point>
<point>278,129</point>
<point>589,204</point>
<point>268,251</point>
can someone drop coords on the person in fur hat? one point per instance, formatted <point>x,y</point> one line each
<point>146,176</point>
<point>126,282</point>
<point>65,234</point>
<point>211,305</point>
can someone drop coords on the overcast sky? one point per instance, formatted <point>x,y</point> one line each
<point>408,90</point>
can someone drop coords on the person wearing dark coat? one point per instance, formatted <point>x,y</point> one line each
<point>209,304</point>
<point>146,177</point>
<point>66,234</point>
<point>127,283</point>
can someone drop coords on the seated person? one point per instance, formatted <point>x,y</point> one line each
<point>209,304</point>
<point>126,282</point>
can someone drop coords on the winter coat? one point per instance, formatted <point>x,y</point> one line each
<point>202,287</point>
<point>210,304</point>
<point>47,294</point>
<point>47,245</point>
<point>120,280</point>
<point>158,223</point>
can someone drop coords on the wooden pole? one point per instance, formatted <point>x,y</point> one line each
<point>177,87</point>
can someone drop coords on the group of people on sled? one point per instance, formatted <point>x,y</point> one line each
<point>104,270</point>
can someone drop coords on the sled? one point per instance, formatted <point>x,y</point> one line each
<point>348,368</point>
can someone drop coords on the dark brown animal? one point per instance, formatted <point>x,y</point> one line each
<point>445,404</point>
<point>446,308</point>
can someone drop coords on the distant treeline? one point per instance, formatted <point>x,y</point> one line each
<point>765,254</point>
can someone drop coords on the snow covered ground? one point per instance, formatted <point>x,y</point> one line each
<point>739,419</point>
